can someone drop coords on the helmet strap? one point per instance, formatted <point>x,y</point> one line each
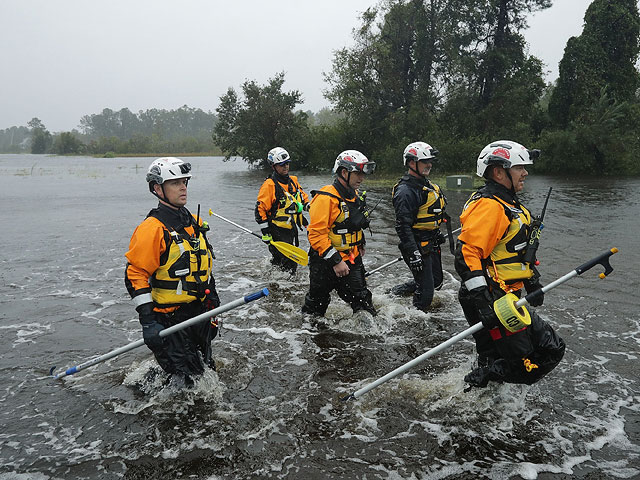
<point>415,169</point>
<point>345,181</point>
<point>164,200</point>
<point>513,187</point>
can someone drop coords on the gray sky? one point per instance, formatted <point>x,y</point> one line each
<point>68,58</point>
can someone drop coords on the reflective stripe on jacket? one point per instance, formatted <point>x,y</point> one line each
<point>150,250</point>
<point>329,227</point>
<point>494,231</point>
<point>274,198</point>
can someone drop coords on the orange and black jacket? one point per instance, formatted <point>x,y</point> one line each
<point>495,230</point>
<point>168,264</point>
<point>275,198</point>
<point>336,222</point>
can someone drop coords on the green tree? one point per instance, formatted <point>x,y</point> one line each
<point>391,83</point>
<point>325,116</point>
<point>604,55</point>
<point>104,124</point>
<point>125,125</point>
<point>263,118</point>
<point>66,143</point>
<point>14,139</point>
<point>434,69</point>
<point>603,142</point>
<point>40,136</point>
<point>499,86</point>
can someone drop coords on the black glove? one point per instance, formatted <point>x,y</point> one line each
<point>151,328</point>
<point>266,235</point>
<point>531,286</point>
<point>415,262</point>
<point>484,305</point>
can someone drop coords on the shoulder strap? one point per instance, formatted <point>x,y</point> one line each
<point>160,215</point>
<point>279,189</point>
<point>328,194</point>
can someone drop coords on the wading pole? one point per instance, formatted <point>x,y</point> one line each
<point>393,261</point>
<point>211,212</point>
<point>382,266</point>
<point>290,251</point>
<point>600,259</point>
<point>163,333</point>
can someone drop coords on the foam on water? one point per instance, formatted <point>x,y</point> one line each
<point>291,338</point>
<point>103,306</point>
<point>26,332</point>
<point>273,409</point>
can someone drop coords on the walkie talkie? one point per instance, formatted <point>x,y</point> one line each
<point>534,237</point>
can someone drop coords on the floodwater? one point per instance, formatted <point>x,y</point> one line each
<point>273,408</point>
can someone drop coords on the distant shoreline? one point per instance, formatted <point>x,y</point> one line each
<point>158,155</point>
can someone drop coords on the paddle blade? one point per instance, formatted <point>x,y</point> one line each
<point>292,252</point>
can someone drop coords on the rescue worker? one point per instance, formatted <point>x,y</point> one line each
<point>281,201</point>
<point>489,259</point>
<point>337,218</point>
<point>169,274</point>
<point>420,209</point>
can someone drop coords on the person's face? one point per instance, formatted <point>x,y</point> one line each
<point>174,191</point>
<point>518,174</point>
<point>282,168</point>
<point>355,179</point>
<point>423,167</point>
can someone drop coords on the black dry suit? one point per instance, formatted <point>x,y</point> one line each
<point>185,352</point>
<point>345,233</point>
<point>521,357</point>
<point>420,208</point>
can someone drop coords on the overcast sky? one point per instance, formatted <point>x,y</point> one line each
<point>68,58</point>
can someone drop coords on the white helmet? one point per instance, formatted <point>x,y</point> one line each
<point>278,156</point>
<point>419,151</point>
<point>353,161</point>
<point>167,168</point>
<point>504,153</point>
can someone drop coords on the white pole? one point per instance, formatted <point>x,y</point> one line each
<point>602,259</point>
<point>163,333</point>
<point>382,266</point>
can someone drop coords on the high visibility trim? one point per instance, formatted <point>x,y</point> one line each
<point>475,282</point>
<point>142,299</point>
<point>329,253</point>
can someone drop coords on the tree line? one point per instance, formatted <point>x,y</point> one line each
<point>453,73</point>
<point>457,75</point>
<point>122,132</point>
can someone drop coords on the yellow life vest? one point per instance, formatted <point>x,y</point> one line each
<point>283,204</point>
<point>183,277</point>
<point>343,234</point>
<point>346,231</point>
<point>431,212</point>
<point>505,261</point>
